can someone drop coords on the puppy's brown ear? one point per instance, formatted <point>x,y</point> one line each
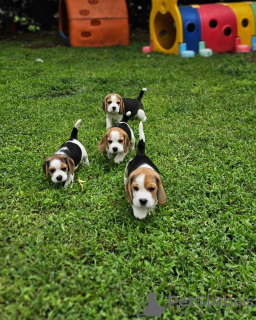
<point>128,189</point>
<point>46,168</point>
<point>71,165</point>
<point>102,146</point>
<point>121,110</point>
<point>126,143</point>
<point>161,196</point>
<point>104,104</point>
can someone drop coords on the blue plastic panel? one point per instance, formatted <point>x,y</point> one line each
<point>191,27</point>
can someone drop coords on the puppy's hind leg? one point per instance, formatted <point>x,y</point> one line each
<point>132,146</point>
<point>85,161</point>
<point>141,115</point>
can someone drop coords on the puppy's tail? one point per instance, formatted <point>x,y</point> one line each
<point>141,144</point>
<point>126,116</point>
<point>141,94</point>
<point>75,129</point>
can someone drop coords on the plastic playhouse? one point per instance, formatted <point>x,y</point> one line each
<point>93,23</point>
<point>203,29</point>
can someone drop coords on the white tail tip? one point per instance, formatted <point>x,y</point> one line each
<point>128,113</point>
<point>144,89</point>
<point>141,132</point>
<point>77,125</point>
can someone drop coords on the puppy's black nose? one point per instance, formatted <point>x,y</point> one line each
<point>113,108</point>
<point>114,149</point>
<point>59,178</point>
<point>143,201</point>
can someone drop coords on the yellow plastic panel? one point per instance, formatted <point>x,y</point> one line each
<point>165,26</point>
<point>245,21</point>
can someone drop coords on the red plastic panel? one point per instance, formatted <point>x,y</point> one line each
<point>218,27</point>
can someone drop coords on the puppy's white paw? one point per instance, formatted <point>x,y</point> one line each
<point>118,159</point>
<point>70,185</point>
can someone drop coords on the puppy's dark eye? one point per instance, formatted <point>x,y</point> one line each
<point>118,102</point>
<point>64,169</point>
<point>109,102</point>
<point>151,189</point>
<point>52,170</point>
<point>120,141</point>
<point>110,141</point>
<point>135,188</point>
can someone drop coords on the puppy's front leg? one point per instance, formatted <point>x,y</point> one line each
<point>69,180</point>
<point>110,155</point>
<point>119,157</point>
<point>108,121</point>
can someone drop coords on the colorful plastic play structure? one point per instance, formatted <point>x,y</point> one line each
<point>183,30</point>
<point>93,23</point>
<point>203,29</point>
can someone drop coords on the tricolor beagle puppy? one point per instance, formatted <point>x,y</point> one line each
<point>118,140</point>
<point>143,184</point>
<point>115,107</point>
<point>65,161</point>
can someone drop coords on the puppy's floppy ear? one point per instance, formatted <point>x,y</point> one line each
<point>128,188</point>
<point>161,196</point>
<point>46,168</point>
<point>71,164</point>
<point>104,104</point>
<point>122,107</point>
<point>126,143</point>
<point>102,146</point>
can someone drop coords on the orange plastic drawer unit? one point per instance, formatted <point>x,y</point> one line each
<point>94,23</point>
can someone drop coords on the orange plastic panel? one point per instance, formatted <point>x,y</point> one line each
<point>94,23</point>
<point>96,9</point>
<point>98,32</point>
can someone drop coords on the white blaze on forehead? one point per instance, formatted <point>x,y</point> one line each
<point>56,163</point>
<point>115,135</point>
<point>113,98</point>
<point>140,180</point>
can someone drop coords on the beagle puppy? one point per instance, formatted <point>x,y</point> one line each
<point>118,140</point>
<point>115,106</point>
<point>143,184</point>
<point>62,165</point>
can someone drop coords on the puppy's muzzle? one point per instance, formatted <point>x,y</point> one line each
<point>114,149</point>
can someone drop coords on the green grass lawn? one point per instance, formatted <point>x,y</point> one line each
<point>79,253</point>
